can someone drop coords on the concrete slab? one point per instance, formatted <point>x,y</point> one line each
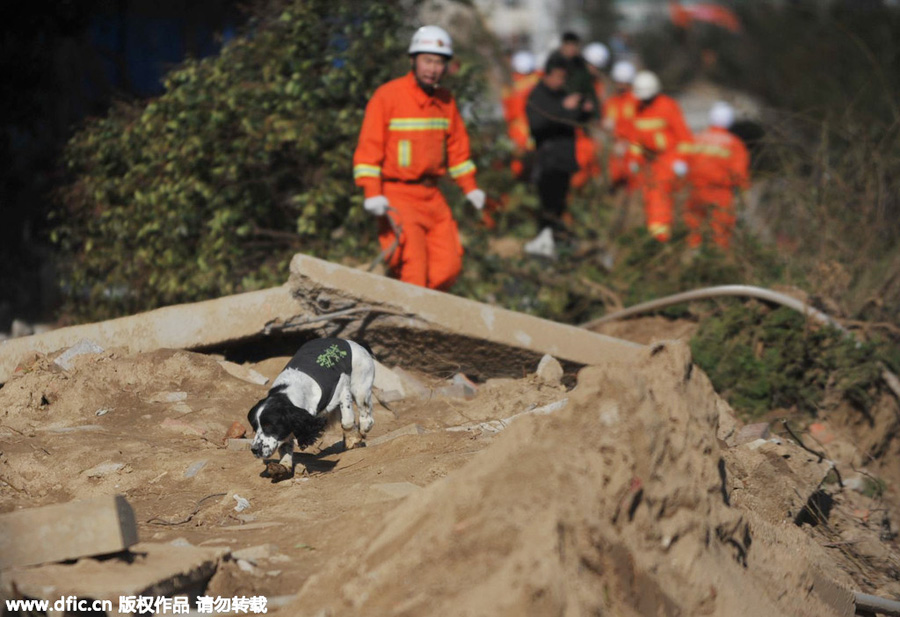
<point>185,326</point>
<point>433,331</point>
<point>66,531</point>
<point>148,569</point>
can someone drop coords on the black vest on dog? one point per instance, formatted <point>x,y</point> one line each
<point>325,360</point>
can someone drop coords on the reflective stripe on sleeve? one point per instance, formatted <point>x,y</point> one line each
<point>463,168</point>
<point>366,171</point>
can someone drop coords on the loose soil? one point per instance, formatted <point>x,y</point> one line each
<point>630,500</point>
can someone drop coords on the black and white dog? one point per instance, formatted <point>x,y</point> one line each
<point>323,374</point>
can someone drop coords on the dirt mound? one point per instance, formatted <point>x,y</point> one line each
<point>615,505</point>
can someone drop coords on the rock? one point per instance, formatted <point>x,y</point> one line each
<point>81,348</point>
<point>235,431</point>
<point>21,328</point>
<point>752,432</point>
<point>821,433</point>
<point>194,469</point>
<point>386,397</point>
<point>103,469</point>
<point>387,380</point>
<point>409,429</point>
<point>455,391</point>
<point>244,373</point>
<point>469,386</point>
<point>549,370</point>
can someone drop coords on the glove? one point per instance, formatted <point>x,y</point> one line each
<point>477,198</point>
<point>377,205</point>
<point>680,168</point>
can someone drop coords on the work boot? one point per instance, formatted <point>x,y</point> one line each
<point>542,245</point>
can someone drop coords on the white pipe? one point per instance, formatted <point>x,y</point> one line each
<point>747,291</point>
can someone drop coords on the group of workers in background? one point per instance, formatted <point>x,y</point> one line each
<point>563,118</point>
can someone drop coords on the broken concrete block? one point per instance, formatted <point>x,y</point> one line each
<point>752,432</point>
<point>386,397</point>
<point>238,444</point>
<point>255,554</point>
<point>549,370</point>
<point>387,380</point>
<point>66,531</point>
<point>471,388</point>
<point>81,348</point>
<point>440,330</point>
<point>244,373</point>
<point>409,429</point>
<point>151,570</point>
<point>455,390</point>
<point>411,385</point>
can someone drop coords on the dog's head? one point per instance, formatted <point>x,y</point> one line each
<point>271,419</point>
<point>275,419</point>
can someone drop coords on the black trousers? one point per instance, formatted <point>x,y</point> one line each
<point>553,191</point>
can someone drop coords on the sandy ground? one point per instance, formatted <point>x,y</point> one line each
<point>628,501</point>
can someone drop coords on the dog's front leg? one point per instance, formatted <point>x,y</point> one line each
<point>286,451</point>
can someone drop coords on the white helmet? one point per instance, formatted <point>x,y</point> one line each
<point>646,85</point>
<point>431,40</point>
<point>523,62</point>
<point>623,72</point>
<point>597,54</point>
<point>721,115</point>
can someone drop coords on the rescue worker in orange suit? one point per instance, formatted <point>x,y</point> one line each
<point>660,142</point>
<point>618,119</point>
<point>524,78</point>
<point>719,165</point>
<point>412,134</point>
<point>587,151</point>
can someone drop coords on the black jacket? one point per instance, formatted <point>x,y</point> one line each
<point>553,128</point>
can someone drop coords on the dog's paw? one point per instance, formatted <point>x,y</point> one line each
<point>352,439</point>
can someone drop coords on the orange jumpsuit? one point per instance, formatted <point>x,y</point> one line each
<point>408,140</point>
<point>618,117</point>
<point>516,121</point>
<point>719,163</point>
<point>587,151</point>
<point>659,137</point>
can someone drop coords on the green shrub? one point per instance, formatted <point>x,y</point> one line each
<point>245,159</point>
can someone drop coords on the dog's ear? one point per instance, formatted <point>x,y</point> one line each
<point>251,416</point>
<point>307,428</point>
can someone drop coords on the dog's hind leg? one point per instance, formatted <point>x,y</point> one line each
<point>352,437</point>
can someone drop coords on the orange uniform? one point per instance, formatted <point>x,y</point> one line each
<point>516,120</point>
<point>719,163</point>
<point>618,118</point>
<point>587,150</point>
<point>408,140</point>
<point>659,137</point>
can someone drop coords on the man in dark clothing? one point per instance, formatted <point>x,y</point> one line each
<point>579,77</point>
<point>553,116</point>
